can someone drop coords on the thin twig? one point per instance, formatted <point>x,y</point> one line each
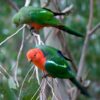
<point>1,74</point>
<point>13,4</point>
<point>55,2</point>
<point>24,82</point>
<point>20,51</point>
<point>18,57</point>
<point>5,70</point>
<point>67,10</point>
<point>47,36</point>
<point>27,2</point>
<point>38,39</point>
<point>94,29</point>
<point>37,75</point>
<point>52,89</point>
<point>37,90</point>
<point>9,37</point>
<point>89,25</point>
<point>31,75</point>
<point>46,3</point>
<point>37,97</point>
<point>44,87</point>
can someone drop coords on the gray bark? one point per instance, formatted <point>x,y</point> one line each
<point>59,86</point>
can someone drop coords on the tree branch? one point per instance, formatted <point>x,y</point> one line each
<point>94,29</point>
<point>89,25</point>
<point>18,57</point>
<point>68,9</point>
<point>46,3</point>
<point>61,37</point>
<point>20,91</point>
<point>9,37</point>
<point>13,4</point>
<point>27,2</point>
<point>84,49</point>
<point>20,51</point>
<point>67,51</point>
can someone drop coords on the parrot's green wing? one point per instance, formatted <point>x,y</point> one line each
<point>31,14</point>
<point>38,15</point>
<point>41,16</point>
<point>46,17</point>
<point>60,53</point>
<point>57,68</point>
<point>55,13</point>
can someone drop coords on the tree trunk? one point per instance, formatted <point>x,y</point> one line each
<point>59,86</point>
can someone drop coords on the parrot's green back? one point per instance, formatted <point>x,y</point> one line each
<point>41,16</point>
<point>57,66</point>
<point>37,15</point>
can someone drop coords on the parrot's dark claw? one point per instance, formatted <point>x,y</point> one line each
<point>45,75</point>
<point>31,30</point>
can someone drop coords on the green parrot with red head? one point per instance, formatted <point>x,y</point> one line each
<point>54,64</point>
<point>38,18</point>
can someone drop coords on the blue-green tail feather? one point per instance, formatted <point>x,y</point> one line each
<point>69,30</point>
<point>80,87</point>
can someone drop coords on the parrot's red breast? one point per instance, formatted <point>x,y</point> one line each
<point>37,57</point>
<point>37,26</point>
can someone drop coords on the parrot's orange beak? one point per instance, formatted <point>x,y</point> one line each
<point>29,60</point>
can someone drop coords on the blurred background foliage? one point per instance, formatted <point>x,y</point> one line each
<point>78,20</point>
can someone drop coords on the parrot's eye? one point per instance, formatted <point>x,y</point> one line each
<point>34,55</point>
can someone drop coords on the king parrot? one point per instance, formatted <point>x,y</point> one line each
<point>54,64</point>
<point>38,18</point>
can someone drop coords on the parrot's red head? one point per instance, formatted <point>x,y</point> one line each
<point>36,56</point>
<point>33,55</point>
